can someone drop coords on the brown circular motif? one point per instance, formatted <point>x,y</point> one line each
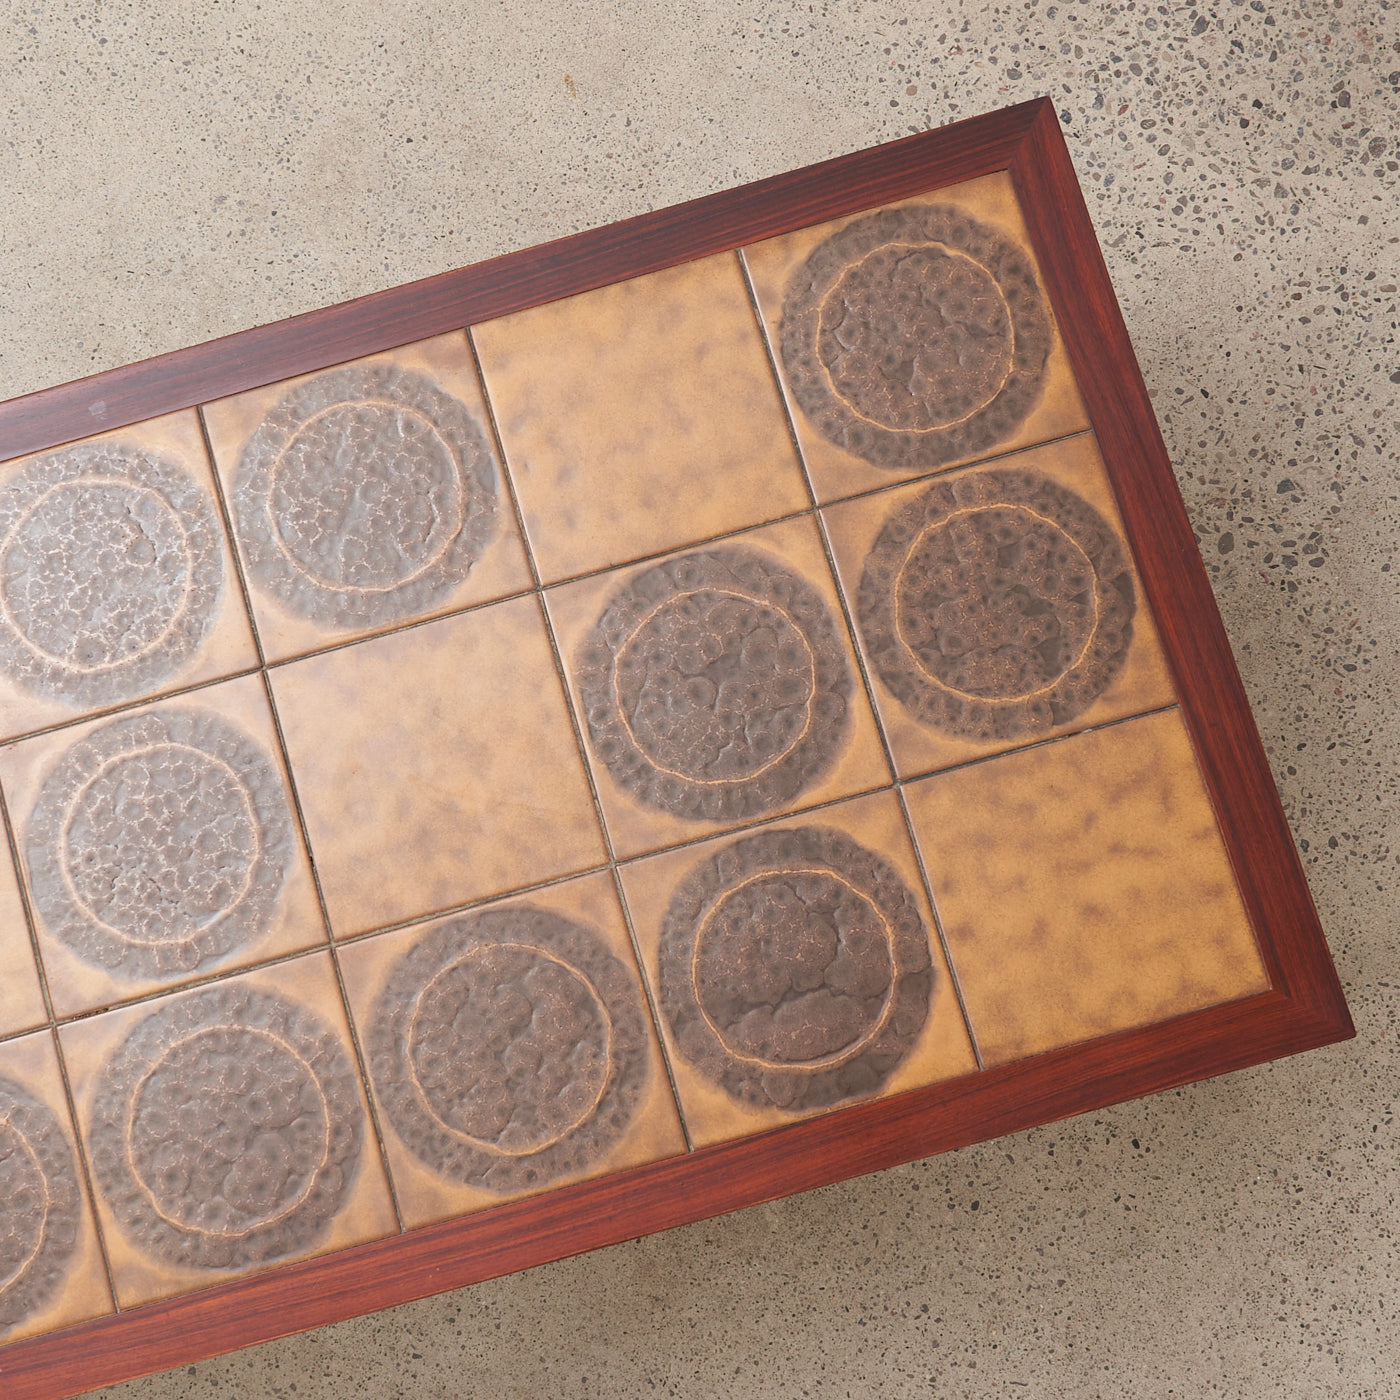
<point>997,604</point>
<point>160,843</point>
<point>795,969</point>
<point>916,336</point>
<point>509,1049</point>
<point>365,496</point>
<point>110,573</point>
<point>39,1195</point>
<point>715,685</point>
<point>226,1130</point>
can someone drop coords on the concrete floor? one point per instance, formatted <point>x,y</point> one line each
<point>172,173</point>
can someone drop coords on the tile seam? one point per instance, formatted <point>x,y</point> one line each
<point>579,745</point>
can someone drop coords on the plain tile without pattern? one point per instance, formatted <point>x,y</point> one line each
<point>1084,888</point>
<point>436,765</point>
<point>639,417</point>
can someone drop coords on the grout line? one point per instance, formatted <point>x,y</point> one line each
<point>86,1170</point>
<point>677,549</point>
<point>563,680</point>
<point>792,814</point>
<point>80,1147</point>
<point>227,518</point>
<point>975,463</point>
<point>331,948</point>
<point>130,706</point>
<point>472,905</point>
<point>1038,744</point>
<point>399,627</point>
<point>286,757</point>
<point>938,929</point>
<point>841,599</point>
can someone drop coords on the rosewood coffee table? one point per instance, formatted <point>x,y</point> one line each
<point>635,728</point>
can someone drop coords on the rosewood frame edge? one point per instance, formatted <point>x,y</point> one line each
<point>1305,1009</point>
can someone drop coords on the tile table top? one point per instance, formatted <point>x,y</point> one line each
<point>734,708</point>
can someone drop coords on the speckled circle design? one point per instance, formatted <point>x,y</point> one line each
<point>715,685</point>
<point>509,1049</point>
<point>159,844</point>
<point>795,969</point>
<point>111,572</point>
<point>226,1130</point>
<point>996,605</point>
<point>39,1205</point>
<point>365,496</point>
<point>914,337</point>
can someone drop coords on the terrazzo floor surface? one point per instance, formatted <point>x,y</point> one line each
<point>170,179</point>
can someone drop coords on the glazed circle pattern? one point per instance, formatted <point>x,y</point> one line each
<point>914,337</point>
<point>226,1130</point>
<point>39,1222</point>
<point>111,572</point>
<point>509,1049</point>
<point>795,969</point>
<point>997,604</point>
<point>365,497</point>
<point>160,844</point>
<point>715,685</point>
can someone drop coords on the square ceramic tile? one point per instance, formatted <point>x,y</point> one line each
<point>226,1130</point>
<point>717,687</point>
<point>914,337</point>
<point>997,606</point>
<point>640,417</point>
<point>116,581</point>
<point>51,1270</point>
<point>795,969</point>
<point>436,766</point>
<point>366,496</point>
<point>1084,888</point>
<point>160,846</point>
<point>21,1001</point>
<point>510,1050</point>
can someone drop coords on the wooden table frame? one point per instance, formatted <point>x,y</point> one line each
<point>1305,1007</point>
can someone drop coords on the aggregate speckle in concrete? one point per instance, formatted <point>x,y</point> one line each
<point>175,173</point>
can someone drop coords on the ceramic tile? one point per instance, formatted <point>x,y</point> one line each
<point>944,350</point>
<point>795,969</point>
<point>160,846</point>
<point>716,687</point>
<point>366,496</point>
<point>639,417</point>
<point>510,1050</point>
<point>973,606</point>
<point>436,766</point>
<point>21,1001</point>
<point>226,1130</point>
<point>1084,888</point>
<point>116,581</point>
<point>51,1270</point>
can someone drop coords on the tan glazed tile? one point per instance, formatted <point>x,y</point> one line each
<point>991,374</point>
<point>160,846</point>
<point>764,1028</point>
<point>639,417</point>
<point>116,581</point>
<point>743,698</point>
<point>1084,888</point>
<point>437,766</point>
<point>366,496</point>
<point>226,1130</point>
<point>1005,552</point>
<point>510,1050</point>
<point>21,1001</point>
<point>53,1273</point>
